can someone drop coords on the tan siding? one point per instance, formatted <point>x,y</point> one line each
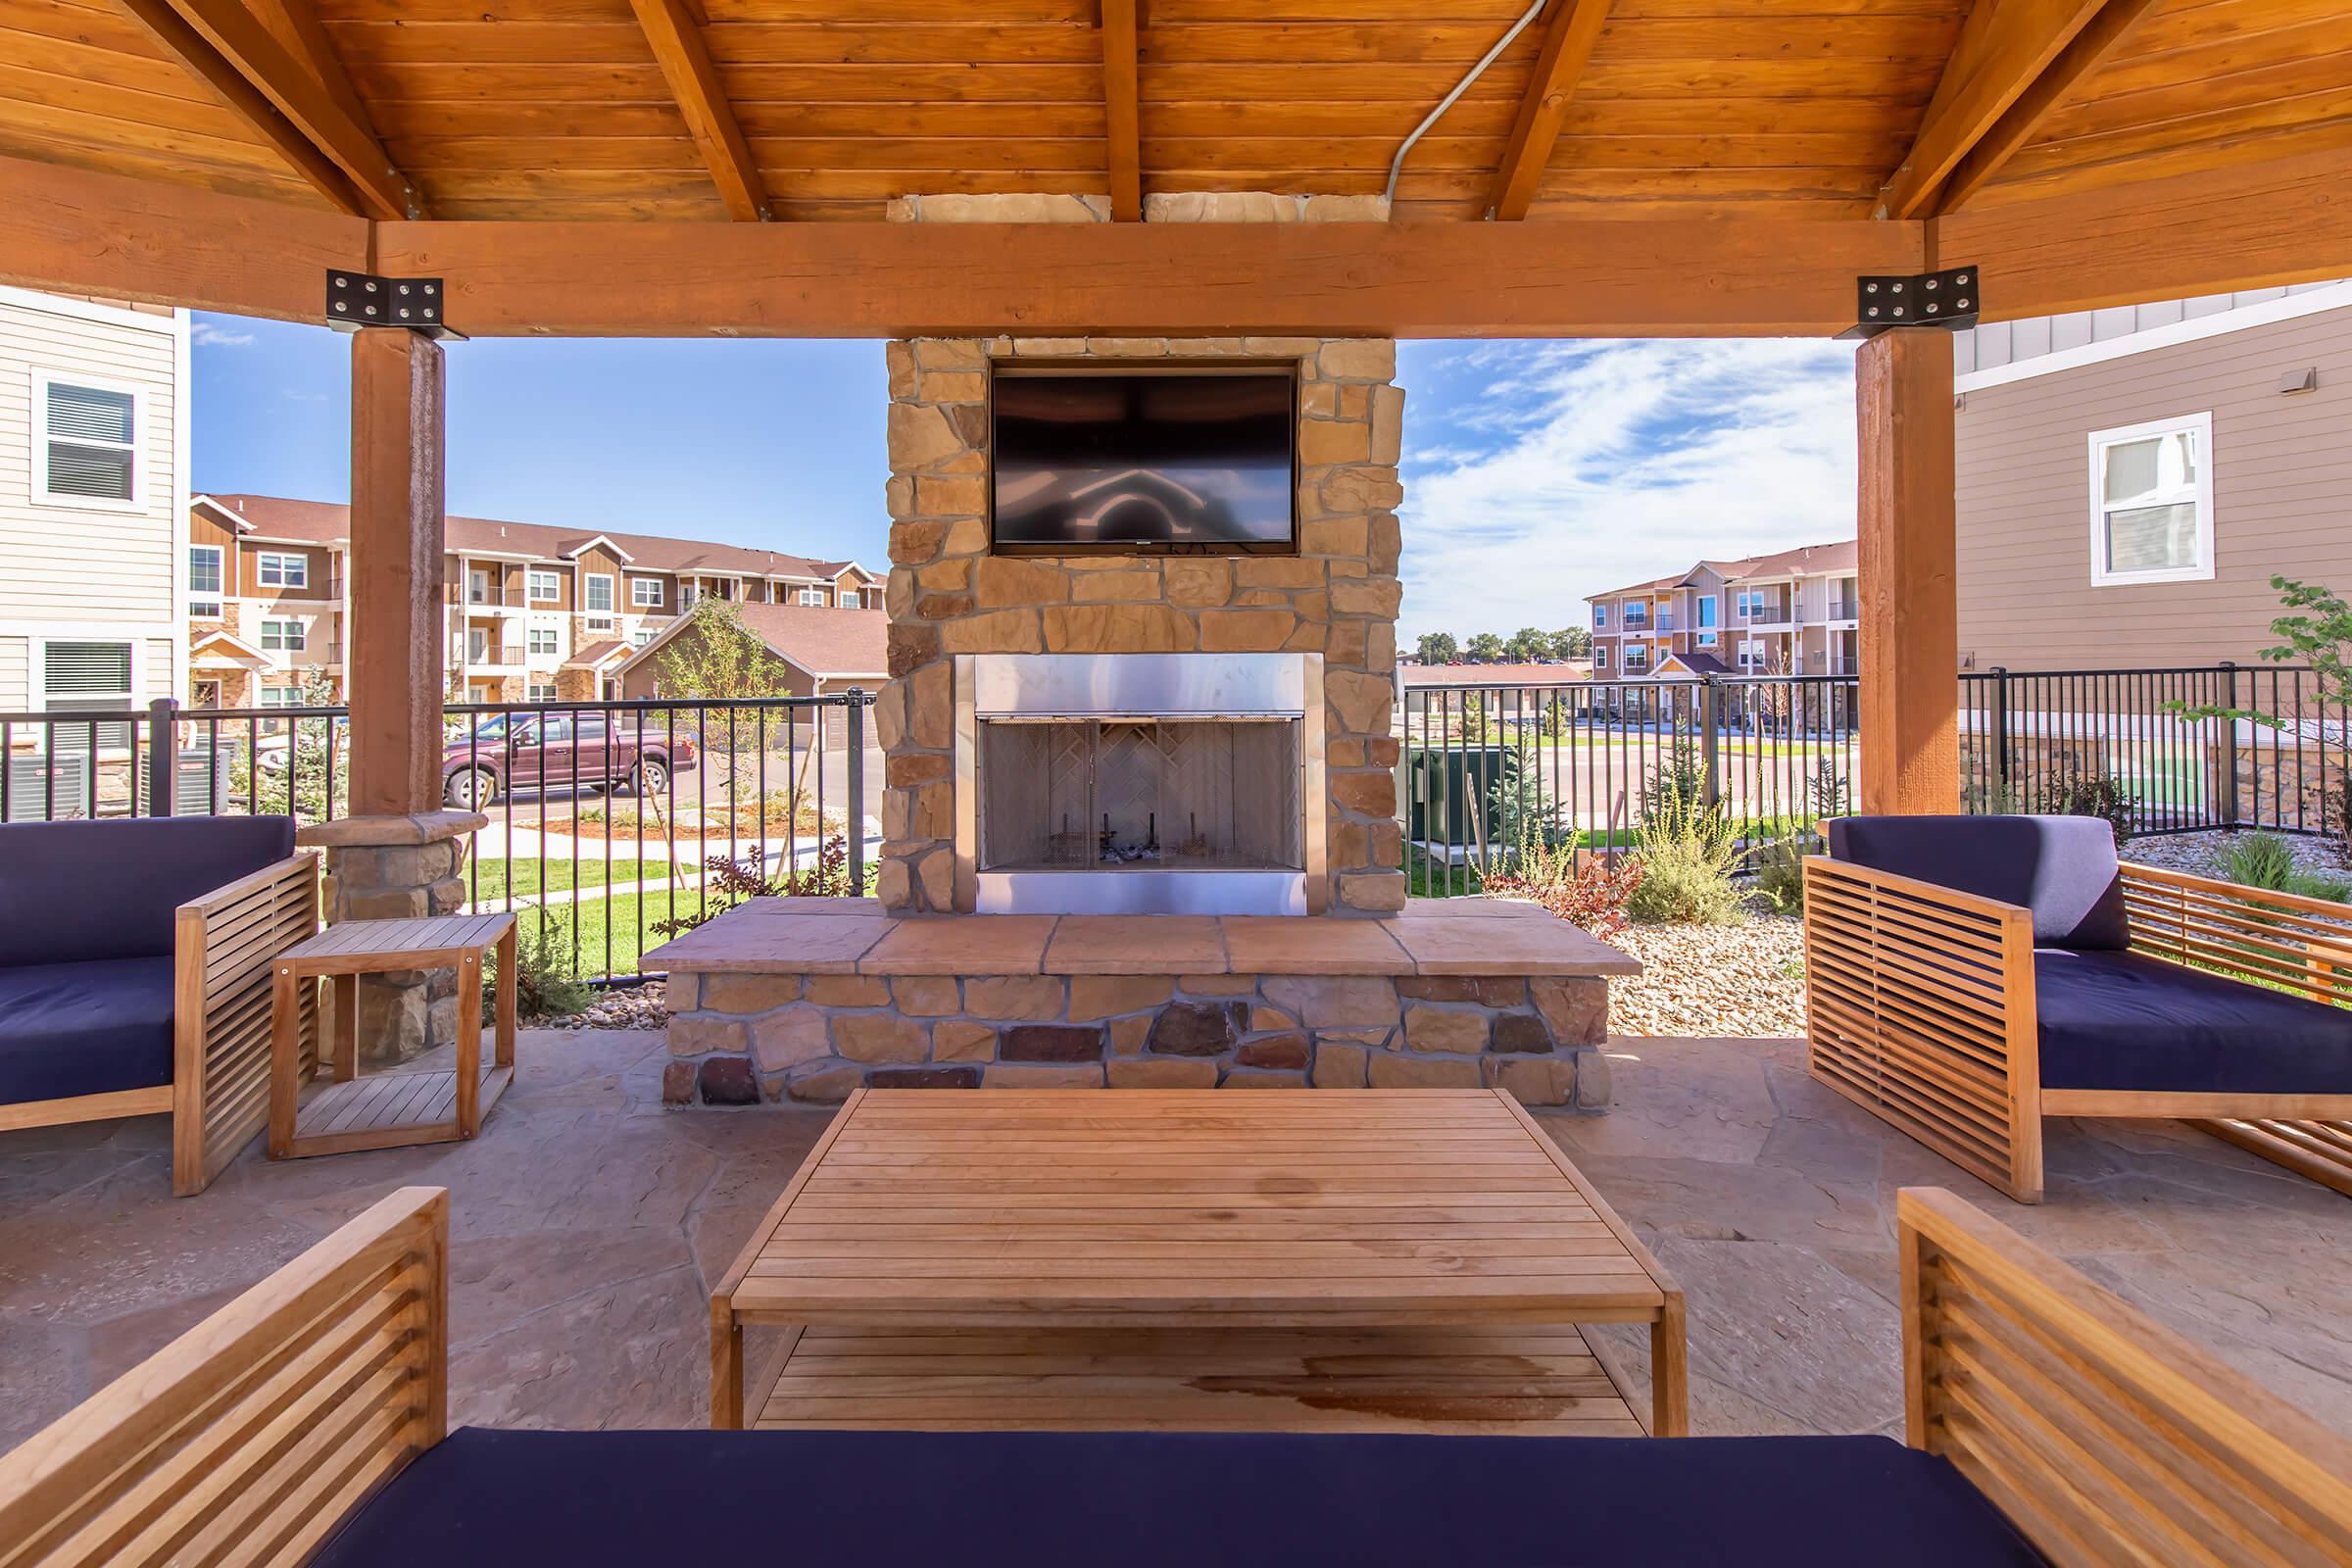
<point>2282,473</point>
<point>318,582</point>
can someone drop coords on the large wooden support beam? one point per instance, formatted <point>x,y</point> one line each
<point>397,633</point>
<point>677,38</point>
<point>77,232</point>
<point>1907,534</point>
<point>2100,38</point>
<point>1121,115</point>
<point>1668,277</point>
<point>2003,47</point>
<point>1569,36</point>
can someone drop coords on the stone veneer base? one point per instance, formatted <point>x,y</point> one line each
<point>739,1038</point>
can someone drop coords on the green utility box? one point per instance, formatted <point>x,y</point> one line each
<point>1446,785</point>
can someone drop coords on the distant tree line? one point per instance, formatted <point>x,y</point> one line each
<point>1526,646</point>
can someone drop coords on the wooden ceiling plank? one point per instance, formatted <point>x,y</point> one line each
<point>2003,47</point>
<point>677,38</point>
<point>1569,36</point>
<point>2100,38</point>
<point>1123,137</point>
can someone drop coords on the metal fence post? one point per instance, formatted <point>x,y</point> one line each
<point>2229,669</point>
<point>2000,739</point>
<point>163,754</point>
<point>1710,714</point>
<point>855,751</point>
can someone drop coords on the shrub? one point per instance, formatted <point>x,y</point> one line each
<point>1526,816</point>
<point>1593,895</point>
<point>2265,861</point>
<point>1676,786</point>
<point>1780,867</point>
<point>547,984</point>
<point>2081,793</point>
<point>733,881</point>
<point>1688,854</point>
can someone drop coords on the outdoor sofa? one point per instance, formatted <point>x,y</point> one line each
<point>306,1422</point>
<point>135,974</point>
<point>1966,976</point>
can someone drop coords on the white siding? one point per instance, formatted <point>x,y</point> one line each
<point>68,571</point>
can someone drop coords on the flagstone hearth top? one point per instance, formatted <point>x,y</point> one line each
<point>852,936</point>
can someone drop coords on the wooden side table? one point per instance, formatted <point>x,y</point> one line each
<point>390,1110</point>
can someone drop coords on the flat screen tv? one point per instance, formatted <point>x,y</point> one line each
<point>1197,460</point>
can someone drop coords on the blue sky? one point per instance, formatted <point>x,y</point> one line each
<point>1534,472</point>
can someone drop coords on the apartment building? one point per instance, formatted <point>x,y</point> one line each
<point>1792,613</point>
<point>2130,480</point>
<point>536,613</point>
<point>93,461</point>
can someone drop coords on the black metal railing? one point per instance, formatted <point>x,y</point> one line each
<point>609,816</point>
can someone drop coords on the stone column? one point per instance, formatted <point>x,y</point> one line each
<point>398,869</point>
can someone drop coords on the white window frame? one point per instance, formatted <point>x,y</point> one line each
<point>1601,617</point>
<point>286,561</point>
<point>810,599</point>
<point>301,632</point>
<point>1714,613</point>
<point>539,691</point>
<point>216,602</point>
<point>42,381</point>
<point>587,596</point>
<point>38,668</point>
<point>532,637</point>
<point>1600,656</point>
<point>645,593</point>
<point>642,636</point>
<point>2200,427</point>
<point>277,697</point>
<point>535,576</point>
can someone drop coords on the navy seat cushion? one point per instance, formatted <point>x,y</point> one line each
<point>2063,869</point>
<point>73,892</point>
<point>84,1028</point>
<point>2124,1021</point>
<point>1179,1500</point>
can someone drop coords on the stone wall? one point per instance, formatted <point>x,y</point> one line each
<point>737,1039</point>
<point>397,868</point>
<point>1337,596</point>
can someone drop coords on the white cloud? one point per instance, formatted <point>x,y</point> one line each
<point>208,337</point>
<point>1593,464</point>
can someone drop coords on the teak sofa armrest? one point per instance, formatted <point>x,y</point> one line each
<point>252,1437</point>
<point>1918,1003</point>
<point>223,946</point>
<point>2282,939</point>
<point>2104,1436</point>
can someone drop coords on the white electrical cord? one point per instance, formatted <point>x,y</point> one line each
<point>1396,163</point>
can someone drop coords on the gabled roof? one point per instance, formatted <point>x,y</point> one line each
<point>820,641</point>
<point>328,522</point>
<point>1695,664</point>
<point>1804,560</point>
<point>595,653</point>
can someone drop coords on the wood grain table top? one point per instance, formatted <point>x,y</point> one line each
<point>1177,1207</point>
<point>350,943</point>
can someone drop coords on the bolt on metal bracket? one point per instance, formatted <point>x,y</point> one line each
<point>1946,298</point>
<point>362,298</point>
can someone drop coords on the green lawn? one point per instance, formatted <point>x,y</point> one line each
<point>491,880</point>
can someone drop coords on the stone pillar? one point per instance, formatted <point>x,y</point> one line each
<point>398,869</point>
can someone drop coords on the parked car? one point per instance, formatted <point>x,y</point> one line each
<point>540,751</point>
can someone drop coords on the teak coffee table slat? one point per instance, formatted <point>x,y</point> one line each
<point>1193,1260</point>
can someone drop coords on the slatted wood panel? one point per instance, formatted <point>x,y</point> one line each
<point>248,1440</point>
<point>365,940</point>
<point>1190,1210</point>
<point>387,1111</point>
<point>2104,1436</point>
<point>1918,1003</point>
<point>1515,1382</point>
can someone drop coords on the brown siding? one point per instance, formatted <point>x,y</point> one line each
<point>597,562</point>
<point>669,595</point>
<point>319,581</point>
<point>206,529</point>
<point>566,597</point>
<point>2281,467</point>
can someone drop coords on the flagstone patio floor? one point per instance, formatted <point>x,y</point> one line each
<point>589,1223</point>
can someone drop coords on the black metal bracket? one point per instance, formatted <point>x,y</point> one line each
<point>362,298</point>
<point>1946,298</point>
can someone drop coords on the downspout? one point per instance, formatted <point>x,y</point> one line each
<point>1396,163</point>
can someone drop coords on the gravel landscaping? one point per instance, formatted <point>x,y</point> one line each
<point>1745,980</point>
<point>637,1007</point>
<point>2200,854</point>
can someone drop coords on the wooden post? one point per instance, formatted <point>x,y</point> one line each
<point>394,684</point>
<point>1905,524</point>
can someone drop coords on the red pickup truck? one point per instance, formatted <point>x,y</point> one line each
<point>560,751</point>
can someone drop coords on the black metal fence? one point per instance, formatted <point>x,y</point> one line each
<point>607,815</point>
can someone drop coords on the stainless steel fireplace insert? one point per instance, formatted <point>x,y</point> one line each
<point>1141,783</point>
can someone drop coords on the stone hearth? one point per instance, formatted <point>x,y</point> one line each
<point>809,999</point>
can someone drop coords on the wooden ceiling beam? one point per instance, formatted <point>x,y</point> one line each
<point>2003,47</point>
<point>1121,112</point>
<point>2090,48</point>
<point>227,47</point>
<point>676,37</point>
<point>1570,33</point>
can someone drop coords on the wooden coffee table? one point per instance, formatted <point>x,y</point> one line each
<point>1192,1259</point>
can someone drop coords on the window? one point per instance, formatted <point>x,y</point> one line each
<point>204,581</point>
<point>477,587</point>
<point>88,453</point>
<point>282,697</point>
<point>88,678</point>
<point>812,596</point>
<point>546,587</point>
<point>688,593</point>
<point>1600,657</point>
<point>275,570</point>
<point>1751,656</point>
<point>645,593</point>
<point>1706,639</point>
<point>1601,617</point>
<point>641,636</point>
<point>1706,610</point>
<point>1637,660</point>
<point>538,692</point>
<point>543,639</point>
<point>599,601</point>
<point>1637,615</point>
<point>284,636</point>
<point>2151,502</point>
<point>477,646</point>
<point>588,729</point>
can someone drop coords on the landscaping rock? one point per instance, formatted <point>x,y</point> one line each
<point>728,1081</point>
<point>1197,1028</point>
<point>1051,1041</point>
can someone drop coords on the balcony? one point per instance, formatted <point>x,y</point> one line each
<point>504,657</point>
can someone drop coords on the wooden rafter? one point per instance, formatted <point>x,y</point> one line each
<point>677,38</point>
<point>2004,47</point>
<point>1572,31</point>
<point>316,128</point>
<point>2090,48</point>
<point>1121,117</point>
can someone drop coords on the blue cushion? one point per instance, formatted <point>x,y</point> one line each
<point>1172,1501</point>
<point>2063,869</point>
<point>75,892</point>
<point>2124,1021</point>
<point>84,1028</point>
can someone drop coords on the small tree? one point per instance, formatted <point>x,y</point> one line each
<point>1439,648</point>
<point>1529,646</point>
<point>716,658</point>
<point>2320,635</point>
<point>315,784</point>
<point>1574,641</point>
<point>1483,649</point>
